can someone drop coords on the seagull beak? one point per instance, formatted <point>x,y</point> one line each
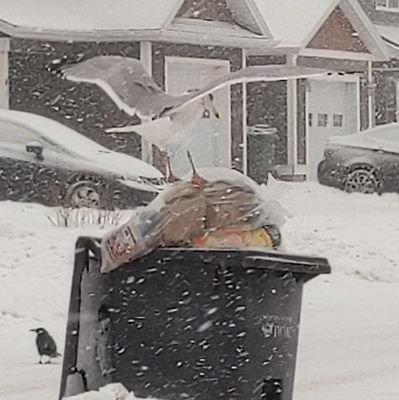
<point>215,112</point>
<point>32,330</point>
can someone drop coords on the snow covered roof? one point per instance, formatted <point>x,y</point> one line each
<point>114,20</point>
<point>291,22</point>
<point>390,34</point>
<point>185,30</point>
<point>294,25</point>
<point>86,15</point>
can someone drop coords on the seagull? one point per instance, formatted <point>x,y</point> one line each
<point>167,120</point>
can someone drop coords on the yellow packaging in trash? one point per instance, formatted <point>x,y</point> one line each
<point>235,238</point>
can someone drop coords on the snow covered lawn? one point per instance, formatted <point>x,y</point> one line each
<point>349,347</point>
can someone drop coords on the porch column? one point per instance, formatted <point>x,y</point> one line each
<point>292,115</point>
<point>397,100</point>
<point>244,119</point>
<point>4,88</point>
<point>371,94</point>
<point>146,60</point>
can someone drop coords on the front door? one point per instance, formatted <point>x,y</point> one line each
<point>211,142</point>
<point>332,110</point>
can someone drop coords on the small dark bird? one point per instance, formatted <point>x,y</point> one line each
<point>45,345</point>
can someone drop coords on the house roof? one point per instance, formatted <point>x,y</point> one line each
<point>294,26</point>
<point>185,30</point>
<point>84,15</point>
<point>390,34</point>
<point>114,20</point>
<point>289,22</point>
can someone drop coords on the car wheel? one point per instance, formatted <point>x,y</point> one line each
<point>362,180</point>
<point>86,194</point>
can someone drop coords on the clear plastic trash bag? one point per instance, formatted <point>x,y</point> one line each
<point>224,200</point>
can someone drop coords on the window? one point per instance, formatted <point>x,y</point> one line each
<point>390,5</point>
<point>338,121</point>
<point>322,120</point>
<point>310,119</point>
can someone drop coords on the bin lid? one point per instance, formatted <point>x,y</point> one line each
<point>248,258</point>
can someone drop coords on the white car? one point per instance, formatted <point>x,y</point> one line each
<point>44,161</point>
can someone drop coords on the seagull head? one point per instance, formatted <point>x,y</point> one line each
<point>207,103</point>
<point>209,106</point>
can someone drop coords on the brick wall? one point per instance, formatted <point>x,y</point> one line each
<point>267,104</point>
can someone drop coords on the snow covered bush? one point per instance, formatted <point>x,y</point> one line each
<point>83,217</point>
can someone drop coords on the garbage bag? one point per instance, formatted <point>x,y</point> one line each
<point>267,236</point>
<point>173,218</point>
<point>210,205</point>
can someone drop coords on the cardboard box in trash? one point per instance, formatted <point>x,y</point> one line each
<point>218,208</point>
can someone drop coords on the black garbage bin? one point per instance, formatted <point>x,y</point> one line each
<point>187,323</point>
<point>262,142</point>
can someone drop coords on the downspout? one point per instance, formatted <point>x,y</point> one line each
<point>244,119</point>
<point>292,115</point>
<point>371,94</point>
<point>4,73</point>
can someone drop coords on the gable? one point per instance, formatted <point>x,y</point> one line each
<point>206,10</point>
<point>338,33</point>
<point>242,13</point>
<point>247,16</point>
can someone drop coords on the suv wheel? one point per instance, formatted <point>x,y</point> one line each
<point>86,194</point>
<point>363,180</point>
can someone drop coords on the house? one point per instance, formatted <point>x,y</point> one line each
<point>182,44</point>
<point>334,34</point>
<point>385,16</point>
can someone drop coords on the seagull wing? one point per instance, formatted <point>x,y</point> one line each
<point>267,73</point>
<point>125,81</point>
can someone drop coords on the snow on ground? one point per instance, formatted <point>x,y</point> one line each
<point>357,233</point>
<point>348,341</point>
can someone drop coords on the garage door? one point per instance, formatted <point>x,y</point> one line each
<point>332,110</point>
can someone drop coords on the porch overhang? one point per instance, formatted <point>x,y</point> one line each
<point>203,33</point>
